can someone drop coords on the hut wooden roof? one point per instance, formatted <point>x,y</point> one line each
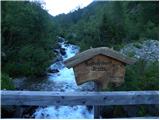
<point>83,56</point>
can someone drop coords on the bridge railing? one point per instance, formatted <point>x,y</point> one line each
<point>46,98</point>
<point>42,98</point>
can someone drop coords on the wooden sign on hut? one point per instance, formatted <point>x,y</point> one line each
<point>101,65</point>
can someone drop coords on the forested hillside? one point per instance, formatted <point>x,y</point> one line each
<point>110,23</point>
<point>28,34</point>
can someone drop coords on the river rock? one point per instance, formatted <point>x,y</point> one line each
<point>61,39</point>
<point>57,46</point>
<point>58,58</point>
<point>62,51</point>
<point>28,111</point>
<point>53,70</point>
<point>89,108</point>
<point>56,51</point>
<point>19,82</point>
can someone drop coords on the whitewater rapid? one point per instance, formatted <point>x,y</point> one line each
<point>64,81</point>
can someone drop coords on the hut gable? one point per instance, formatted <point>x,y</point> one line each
<point>90,53</point>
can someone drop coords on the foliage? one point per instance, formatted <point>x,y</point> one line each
<point>6,82</point>
<point>110,23</point>
<point>141,76</point>
<point>28,34</point>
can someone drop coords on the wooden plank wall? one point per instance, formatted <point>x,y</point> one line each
<point>43,98</point>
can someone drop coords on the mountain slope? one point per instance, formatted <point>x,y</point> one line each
<point>110,23</point>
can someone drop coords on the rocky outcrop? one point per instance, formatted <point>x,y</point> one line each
<point>146,50</point>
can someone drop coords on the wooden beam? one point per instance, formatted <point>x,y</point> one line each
<point>43,98</point>
<point>97,109</point>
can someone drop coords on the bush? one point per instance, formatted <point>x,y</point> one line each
<point>28,36</point>
<point>142,75</point>
<point>30,61</point>
<point>6,82</point>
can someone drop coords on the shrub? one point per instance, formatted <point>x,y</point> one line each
<point>29,61</point>
<point>142,75</point>
<point>6,82</point>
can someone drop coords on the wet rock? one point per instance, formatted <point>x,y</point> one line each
<point>90,108</point>
<point>56,51</point>
<point>53,70</point>
<point>57,46</point>
<point>62,51</point>
<point>58,65</point>
<point>61,39</point>
<point>59,58</point>
<point>62,90</point>
<point>88,86</point>
<point>28,111</point>
<point>19,82</point>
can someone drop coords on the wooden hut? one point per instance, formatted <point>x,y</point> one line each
<point>102,65</point>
